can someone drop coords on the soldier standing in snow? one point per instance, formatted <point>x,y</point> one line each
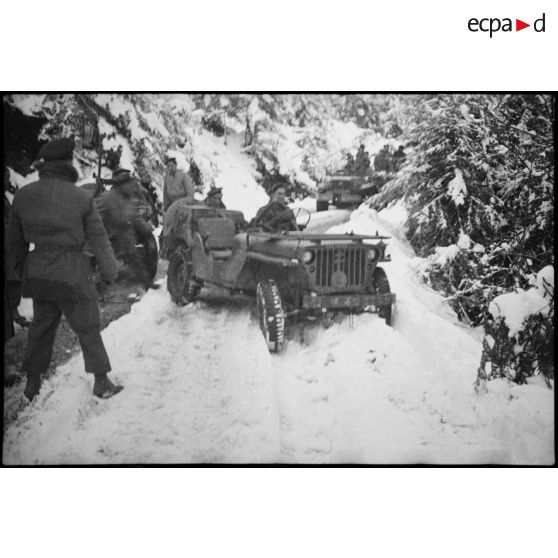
<point>177,185</point>
<point>59,219</point>
<point>398,158</point>
<point>124,226</point>
<point>276,215</point>
<point>215,198</point>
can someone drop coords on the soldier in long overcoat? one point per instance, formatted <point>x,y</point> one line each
<point>52,220</point>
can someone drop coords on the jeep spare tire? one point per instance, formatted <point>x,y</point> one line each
<point>270,313</point>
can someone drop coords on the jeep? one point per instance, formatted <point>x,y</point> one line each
<point>292,274</point>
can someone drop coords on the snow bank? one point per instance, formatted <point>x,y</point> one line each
<point>395,215</point>
<point>515,308</point>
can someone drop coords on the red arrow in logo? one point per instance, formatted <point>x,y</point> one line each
<point>519,25</point>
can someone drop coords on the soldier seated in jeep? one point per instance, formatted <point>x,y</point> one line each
<point>276,216</point>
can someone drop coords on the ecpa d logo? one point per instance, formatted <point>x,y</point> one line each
<point>494,24</point>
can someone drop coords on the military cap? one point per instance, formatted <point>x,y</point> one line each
<point>214,191</point>
<point>121,175</point>
<point>55,149</point>
<point>278,185</point>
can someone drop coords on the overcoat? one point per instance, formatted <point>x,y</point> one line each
<point>52,222</point>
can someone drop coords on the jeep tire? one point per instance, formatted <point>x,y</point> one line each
<point>381,286</point>
<point>270,313</point>
<point>150,255</point>
<point>182,288</point>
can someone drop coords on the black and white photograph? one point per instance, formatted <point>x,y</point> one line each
<point>278,278</point>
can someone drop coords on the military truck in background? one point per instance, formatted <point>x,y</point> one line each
<point>344,191</point>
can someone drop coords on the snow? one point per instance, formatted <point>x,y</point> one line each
<point>231,169</point>
<point>255,113</point>
<point>445,254</point>
<point>395,215</point>
<point>29,105</point>
<point>346,133</point>
<point>463,242</point>
<point>200,386</point>
<point>545,279</point>
<point>308,203</point>
<point>116,104</point>
<point>156,124</point>
<point>457,188</point>
<point>515,308</point>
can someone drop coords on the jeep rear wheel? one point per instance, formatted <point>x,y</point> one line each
<point>322,205</point>
<point>270,313</point>
<point>381,286</point>
<point>182,287</point>
<point>150,256</point>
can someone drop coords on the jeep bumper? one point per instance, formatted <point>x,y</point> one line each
<point>337,301</point>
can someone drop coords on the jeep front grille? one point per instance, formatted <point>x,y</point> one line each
<point>350,260</point>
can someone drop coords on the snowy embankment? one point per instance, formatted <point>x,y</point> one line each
<point>201,387</point>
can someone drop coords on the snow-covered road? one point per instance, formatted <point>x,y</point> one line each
<point>200,386</point>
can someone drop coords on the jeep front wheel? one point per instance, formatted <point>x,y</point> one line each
<point>381,286</point>
<point>181,286</point>
<point>270,313</point>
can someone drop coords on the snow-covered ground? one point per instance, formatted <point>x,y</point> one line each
<point>200,387</point>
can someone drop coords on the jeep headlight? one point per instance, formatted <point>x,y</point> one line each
<point>373,254</point>
<point>308,256</point>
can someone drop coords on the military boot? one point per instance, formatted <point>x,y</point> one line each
<point>33,386</point>
<point>104,388</point>
<point>153,286</point>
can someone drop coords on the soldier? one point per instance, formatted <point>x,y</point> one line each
<point>276,215</point>
<point>177,185</point>
<point>59,218</point>
<point>215,198</point>
<point>398,158</point>
<point>125,227</point>
<point>362,160</point>
<point>350,164</point>
<point>382,161</point>
<point>359,156</point>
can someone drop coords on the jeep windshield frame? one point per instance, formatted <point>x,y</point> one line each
<point>296,235</point>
